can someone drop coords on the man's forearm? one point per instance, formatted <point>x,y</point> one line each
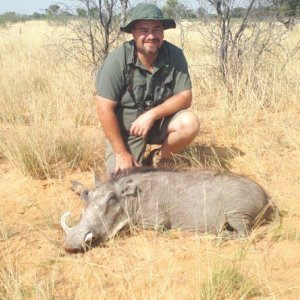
<point>173,104</point>
<point>142,125</point>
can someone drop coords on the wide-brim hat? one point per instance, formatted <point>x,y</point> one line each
<point>145,11</point>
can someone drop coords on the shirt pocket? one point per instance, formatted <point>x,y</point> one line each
<point>134,94</point>
<point>163,92</point>
<point>139,88</point>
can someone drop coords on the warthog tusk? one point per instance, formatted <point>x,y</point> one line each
<point>63,221</point>
<point>89,237</point>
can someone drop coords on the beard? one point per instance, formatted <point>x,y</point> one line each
<point>150,47</point>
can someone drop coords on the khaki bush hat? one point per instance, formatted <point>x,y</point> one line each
<point>145,11</point>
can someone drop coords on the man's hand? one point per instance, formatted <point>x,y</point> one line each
<point>142,125</point>
<point>124,162</point>
<point>123,159</point>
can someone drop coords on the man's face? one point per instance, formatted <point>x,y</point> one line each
<point>148,36</point>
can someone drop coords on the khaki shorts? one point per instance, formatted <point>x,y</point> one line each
<point>137,145</point>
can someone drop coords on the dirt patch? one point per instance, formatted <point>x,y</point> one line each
<point>145,264</point>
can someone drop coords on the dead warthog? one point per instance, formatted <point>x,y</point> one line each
<point>202,201</point>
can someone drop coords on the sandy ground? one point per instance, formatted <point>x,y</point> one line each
<point>141,265</point>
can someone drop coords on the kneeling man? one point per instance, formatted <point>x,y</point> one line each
<point>143,93</point>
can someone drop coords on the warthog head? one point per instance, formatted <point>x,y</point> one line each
<point>103,217</point>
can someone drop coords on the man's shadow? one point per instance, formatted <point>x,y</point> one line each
<point>207,157</point>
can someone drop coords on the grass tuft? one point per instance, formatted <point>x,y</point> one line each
<point>228,282</point>
<point>11,287</point>
<point>44,153</point>
<point>7,233</point>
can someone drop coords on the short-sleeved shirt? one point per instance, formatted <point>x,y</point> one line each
<point>122,78</point>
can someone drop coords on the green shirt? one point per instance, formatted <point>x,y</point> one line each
<point>122,78</point>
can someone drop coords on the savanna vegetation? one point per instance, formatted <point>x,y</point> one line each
<point>250,117</point>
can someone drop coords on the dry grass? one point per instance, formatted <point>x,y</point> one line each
<point>49,129</point>
<point>47,116</point>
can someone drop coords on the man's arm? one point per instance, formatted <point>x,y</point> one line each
<point>107,116</point>
<point>142,125</point>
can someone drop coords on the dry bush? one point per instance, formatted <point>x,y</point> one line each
<point>256,110</point>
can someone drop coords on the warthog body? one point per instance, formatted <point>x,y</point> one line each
<point>202,201</point>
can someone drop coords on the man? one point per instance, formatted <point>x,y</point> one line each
<point>143,91</point>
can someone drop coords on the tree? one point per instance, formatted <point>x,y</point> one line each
<point>229,40</point>
<point>53,10</point>
<point>94,32</point>
<point>286,11</point>
<point>37,16</point>
<point>238,12</point>
<point>202,13</point>
<point>177,10</point>
<point>170,9</point>
<point>9,17</point>
<point>124,4</point>
<point>244,41</point>
<point>81,12</point>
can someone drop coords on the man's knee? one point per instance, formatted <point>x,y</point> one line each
<point>187,123</point>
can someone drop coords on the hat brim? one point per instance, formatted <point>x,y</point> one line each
<point>167,23</point>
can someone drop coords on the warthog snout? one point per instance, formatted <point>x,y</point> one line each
<point>88,239</point>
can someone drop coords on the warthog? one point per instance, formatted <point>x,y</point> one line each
<point>202,201</point>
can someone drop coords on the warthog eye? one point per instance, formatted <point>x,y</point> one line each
<point>85,195</point>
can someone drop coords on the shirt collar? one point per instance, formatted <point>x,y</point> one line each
<point>131,58</point>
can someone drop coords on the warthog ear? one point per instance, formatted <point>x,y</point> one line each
<point>80,190</point>
<point>96,179</point>
<point>77,187</point>
<point>127,188</point>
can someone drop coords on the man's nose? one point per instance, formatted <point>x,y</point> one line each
<point>151,35</point>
